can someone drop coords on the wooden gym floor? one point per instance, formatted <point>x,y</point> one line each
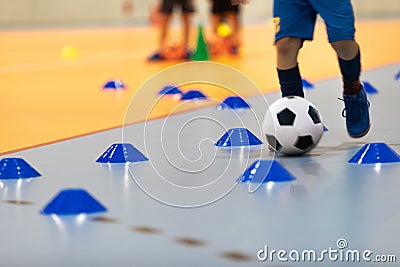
<point>47,98</point>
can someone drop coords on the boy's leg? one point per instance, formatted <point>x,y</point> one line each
<point>187,11</point>
<point>339,18</point>
<point>216,15</point>
<point>349,59</point>
<point>215,21</point>
<point>166,12</point>
<point>186,20</point>
<point>164,24</point>
<point>232,15</point>
<point>233,19</point>
<point>294,22</point>
<point>288,70</point>
<point>354,95</point>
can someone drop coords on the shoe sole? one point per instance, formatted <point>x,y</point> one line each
<point>362,134</point>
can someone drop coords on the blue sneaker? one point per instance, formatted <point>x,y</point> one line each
<point>234,50</point>
<point>156,56</point>
<point>188,54</point>
<point>356,112</point>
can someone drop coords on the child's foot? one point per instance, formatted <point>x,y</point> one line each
<point>233,50</point>
<point>188,54</point>
<point>357,113</point>
<point>156,56</point>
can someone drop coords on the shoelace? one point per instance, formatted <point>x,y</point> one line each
<point>354,104</point>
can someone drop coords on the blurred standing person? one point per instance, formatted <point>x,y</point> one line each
<point>167,9</point>
<point>225,11</point>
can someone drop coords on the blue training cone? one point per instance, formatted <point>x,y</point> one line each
<point>369,88</point>
<point>375,153</point>
<point>233,102</point>
<point>16,168</point>
<point>73,202</point>
<point>237,137</point>
<point>121,153</point>
<point>307,84</point>
<point>263,171</point>
<point>397,77</point>
<point>170,90</point>
<point>193,95</point>
<point>114,85</point>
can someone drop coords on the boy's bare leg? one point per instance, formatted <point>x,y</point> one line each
<point>164,27</point>
<point>287,67</point>
<point>234,22</point>
<point>287,49</point>
<point>186,21</point>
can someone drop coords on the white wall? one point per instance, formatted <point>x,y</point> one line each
<point>48,12</point>
<point>377,7</point>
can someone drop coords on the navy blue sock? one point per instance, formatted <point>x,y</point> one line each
<point>290,81</point>
<point>351,68</point>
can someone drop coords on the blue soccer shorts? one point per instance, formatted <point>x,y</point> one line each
<point>296,18</point>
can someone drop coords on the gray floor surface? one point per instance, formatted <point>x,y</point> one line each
<point>184,206</point>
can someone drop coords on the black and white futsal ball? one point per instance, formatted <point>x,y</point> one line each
<point>293,125</point>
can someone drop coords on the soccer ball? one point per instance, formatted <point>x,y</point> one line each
<point>292,125</point>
